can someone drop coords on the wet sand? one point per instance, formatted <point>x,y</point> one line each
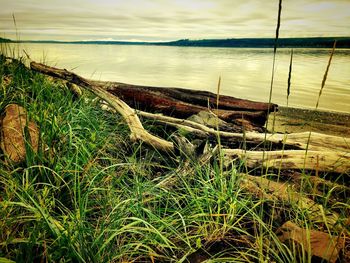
<point>300,120</point>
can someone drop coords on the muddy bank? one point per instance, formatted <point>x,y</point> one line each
<point>300,120</point>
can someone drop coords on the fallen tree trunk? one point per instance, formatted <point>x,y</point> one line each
<point>325,161</point>
<point>185,103</point>
<point>198,97</point>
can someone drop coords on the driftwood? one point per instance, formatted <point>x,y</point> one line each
<point>325,161</point>
<point>177,102</point>
<point>198,97</point>
<point>183,103</point>
<point>303,140</point>
<point>313,141</point>
<point>325,152</point>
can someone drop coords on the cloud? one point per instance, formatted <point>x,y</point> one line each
<point>171,19</point>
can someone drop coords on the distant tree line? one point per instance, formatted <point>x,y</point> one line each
<point>342,42</point>
<point>5,40</point>
<point>312,42</point>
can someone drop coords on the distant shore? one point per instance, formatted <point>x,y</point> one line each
<point>311,42</point>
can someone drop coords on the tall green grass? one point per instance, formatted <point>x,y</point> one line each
<point>89,195</point>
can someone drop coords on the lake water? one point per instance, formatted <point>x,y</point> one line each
<point>245,72</point>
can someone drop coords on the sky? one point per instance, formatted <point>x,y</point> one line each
<point>165,20</point>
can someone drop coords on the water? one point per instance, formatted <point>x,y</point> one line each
<point>245,72</point>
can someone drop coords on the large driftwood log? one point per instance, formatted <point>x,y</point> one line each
<point>325,161</point>
<point>183,103</point>
<point>198,97</point>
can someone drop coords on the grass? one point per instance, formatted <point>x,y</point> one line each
<point>90,195</point>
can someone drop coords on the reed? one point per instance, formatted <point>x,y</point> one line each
<point>275,48</point>
<point>273,68</point>
<point>289,76</point>
<point>320,93</point>
<point>325,75</point>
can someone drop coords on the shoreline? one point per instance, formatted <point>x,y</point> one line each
<point>289,120</point>
<point>299,42</point>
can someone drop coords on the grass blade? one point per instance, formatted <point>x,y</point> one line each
<point>289,75</point>
<point>326,74</point>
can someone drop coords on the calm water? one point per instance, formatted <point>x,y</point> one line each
<point>245,72</point>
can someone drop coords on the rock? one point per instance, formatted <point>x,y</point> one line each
<point>211,120</point>
<point>12,133</point>
<point>207,118</point>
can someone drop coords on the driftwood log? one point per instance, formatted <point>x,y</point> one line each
<point>323,161</point>
<point>302,140</point>
<point>183,103</point>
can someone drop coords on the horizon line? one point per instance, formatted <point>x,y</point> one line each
<point>170,41</point>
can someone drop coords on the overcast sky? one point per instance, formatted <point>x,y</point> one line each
<point>161,20</point>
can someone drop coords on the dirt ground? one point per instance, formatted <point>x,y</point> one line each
<point>300,120</point>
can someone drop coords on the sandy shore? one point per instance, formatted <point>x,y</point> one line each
<point>301,120</point>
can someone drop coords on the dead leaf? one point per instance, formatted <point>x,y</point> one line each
<point>317,243</point>
<point>284,192</point>
<point>12,134</point>
<point>6,80</point>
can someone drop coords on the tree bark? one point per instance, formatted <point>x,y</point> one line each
<point>183,103</point>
